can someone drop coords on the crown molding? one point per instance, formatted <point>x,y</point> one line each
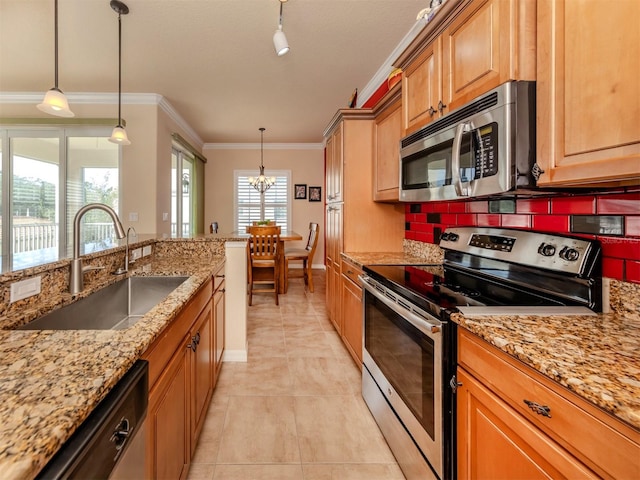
<point>111,99</point>
<point>385,69</point>
<point>267,146</point>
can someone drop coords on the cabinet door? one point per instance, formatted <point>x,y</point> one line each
<point>167,420</point>
<point>422,88</point>
<point>479,50</point>
<point>351,300</point>
<point>387,135</point>
<point>334,149</point>
<point>219,319</point>
<point>588,92</point>
<point>495,441</point>
<point>201,354</point>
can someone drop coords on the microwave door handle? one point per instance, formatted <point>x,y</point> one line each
<point>455,160</point>
<point>473,183</point>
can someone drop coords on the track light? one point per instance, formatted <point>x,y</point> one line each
<point>119,134</point>
<point>279,39</point>
<point>55,102</point>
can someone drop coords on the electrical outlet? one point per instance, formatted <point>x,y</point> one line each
<point>136,254</point>
<point>165,217</point>
<point>25,288</point>
<point>133,216</point>
<point>146,250</point>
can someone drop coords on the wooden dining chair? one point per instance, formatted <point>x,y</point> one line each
<point>304,255</point>
<point>263,260</point>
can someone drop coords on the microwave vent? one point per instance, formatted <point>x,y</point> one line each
<point>453,118</point>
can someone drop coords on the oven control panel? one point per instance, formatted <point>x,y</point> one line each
<point>543,250</point>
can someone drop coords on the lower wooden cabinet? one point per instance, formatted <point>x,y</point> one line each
<point>218,322</point>
<point>513,422</point>
<point>351,308</point>
<point>168,441</point>
<point>182,372</point>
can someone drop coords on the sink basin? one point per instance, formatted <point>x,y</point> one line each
<point>118,306</point>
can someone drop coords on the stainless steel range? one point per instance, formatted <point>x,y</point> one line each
<point>409,342</point>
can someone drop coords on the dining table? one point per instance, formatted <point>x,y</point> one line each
<point>285,236</point>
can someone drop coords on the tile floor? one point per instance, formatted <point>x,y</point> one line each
<point>294,410</point>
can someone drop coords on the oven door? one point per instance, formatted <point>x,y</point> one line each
<point>403,354</point>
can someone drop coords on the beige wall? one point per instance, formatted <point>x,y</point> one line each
<point>306,165</point>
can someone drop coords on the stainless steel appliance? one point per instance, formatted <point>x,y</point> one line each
<point>486,147</point>
<point>409,342</point>
<point>111,442</point>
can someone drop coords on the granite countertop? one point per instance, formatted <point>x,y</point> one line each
<point>594,356</point>
<point>51,380</point>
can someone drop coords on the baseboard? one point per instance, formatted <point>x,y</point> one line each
<point>234,356</point>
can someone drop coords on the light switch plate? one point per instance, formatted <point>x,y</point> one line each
<point>146,250</point>
<point>25,288</point>
<point>136,254</point>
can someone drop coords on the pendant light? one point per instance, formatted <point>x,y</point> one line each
<point>279,39</point>
<point>262,183</point>
<point>119,134</point>
<point>55,102</point>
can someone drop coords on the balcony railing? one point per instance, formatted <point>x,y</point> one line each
<point>31,237</point>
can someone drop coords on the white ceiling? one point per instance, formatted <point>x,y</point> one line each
<point>213,60</point>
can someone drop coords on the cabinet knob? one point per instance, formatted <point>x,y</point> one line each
<point>441,106</point>
<point>432,111</point>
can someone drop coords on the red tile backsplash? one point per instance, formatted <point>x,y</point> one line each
<point>574,205</point>
<point>621,255</point>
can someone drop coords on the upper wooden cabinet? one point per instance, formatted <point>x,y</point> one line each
<point>588,99</point>
<point>335,166</point>
<point>476,46</point>
<point>387,132</point>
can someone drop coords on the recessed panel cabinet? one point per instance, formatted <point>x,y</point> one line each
<point>387,132</point>
<point>479,45</point>
<point>588,93</point>
<point>181,380</point>
<point>351,305</point>
<point>513,422</point>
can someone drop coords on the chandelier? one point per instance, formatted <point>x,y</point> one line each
<point>262,183</point>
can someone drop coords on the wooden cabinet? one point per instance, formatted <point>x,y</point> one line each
<point>201,356</point>
<point>476,46</point>
<point>351,305</point>
<point>334,165</point>
<point>218,320</point>
<point>514,422</point>
<point>181,380</point>
<point>357,223</point>
<point>168,440</point>
<point>387,132</point>
<point>588,64</point>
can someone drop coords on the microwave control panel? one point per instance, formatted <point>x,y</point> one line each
<point>485,148</point>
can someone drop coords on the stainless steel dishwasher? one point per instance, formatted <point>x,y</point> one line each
<point>110,443</point>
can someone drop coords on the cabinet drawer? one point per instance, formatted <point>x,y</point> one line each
<point>600,441</point>
<point>350,271</point>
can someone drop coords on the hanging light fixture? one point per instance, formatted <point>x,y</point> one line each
<point>55,102</point>
<point>262,183</point>
<point>279,39</point>
<point>119,134</point>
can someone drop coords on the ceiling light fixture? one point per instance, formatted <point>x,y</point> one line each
<point>55,102</point>
<point>262,183</point>
<point>279,39</point>
<point>119,134</point>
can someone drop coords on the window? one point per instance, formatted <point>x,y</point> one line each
<point>251,206</point>
<point>50,173</point>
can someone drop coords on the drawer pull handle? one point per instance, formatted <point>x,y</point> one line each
<point>539,409</point>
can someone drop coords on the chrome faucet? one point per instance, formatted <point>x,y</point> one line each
<point>124,270</point>
<point>76,277</point>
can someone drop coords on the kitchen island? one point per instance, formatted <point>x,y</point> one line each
<point>50,381</point>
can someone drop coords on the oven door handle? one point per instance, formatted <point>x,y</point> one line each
<point>431,329</point>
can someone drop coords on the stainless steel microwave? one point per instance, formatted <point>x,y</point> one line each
<point>486,147</point>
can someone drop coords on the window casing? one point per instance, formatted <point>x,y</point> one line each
<point>252,206</point>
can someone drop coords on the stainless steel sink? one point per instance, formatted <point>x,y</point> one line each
<point>118,306</point>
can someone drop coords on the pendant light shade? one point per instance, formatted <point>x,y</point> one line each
<point>262,183</point>
<point>279,38</point>
<point>119,134</point>
<point>55,102</point>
